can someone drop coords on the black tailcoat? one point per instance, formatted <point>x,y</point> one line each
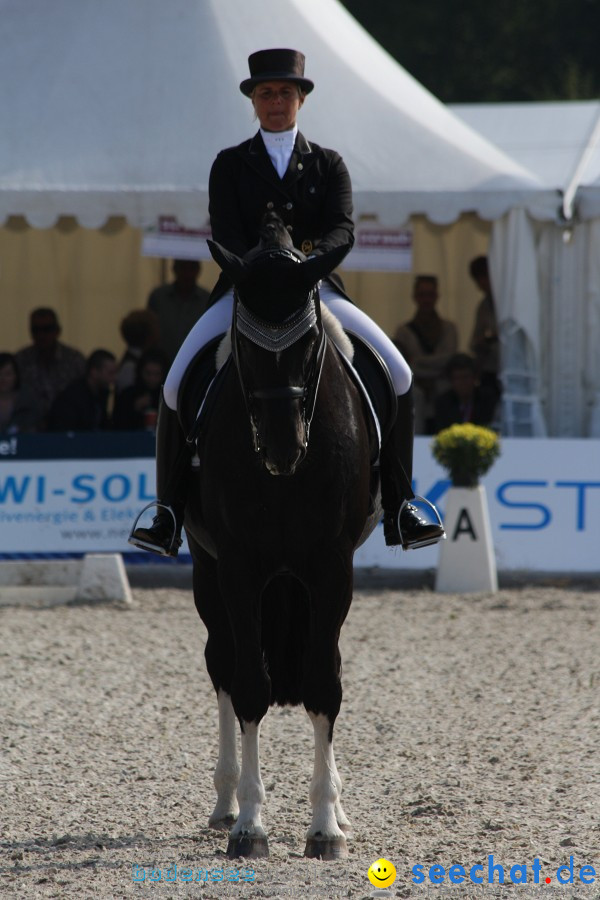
<point>314,198</point>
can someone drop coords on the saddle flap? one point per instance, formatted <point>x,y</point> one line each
<point>375,380</point>
<point>198,386</point>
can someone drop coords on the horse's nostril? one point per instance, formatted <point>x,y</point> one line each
<point>283,466</point>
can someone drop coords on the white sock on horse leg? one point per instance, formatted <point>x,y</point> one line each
<point>251,791</point>
<point>326,783</point>
<point>227,771</point>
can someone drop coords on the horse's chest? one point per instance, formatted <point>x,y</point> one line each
<point>277,513</point>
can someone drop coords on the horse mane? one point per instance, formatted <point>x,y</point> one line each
<point>273,233</point>
<point>333,327</point>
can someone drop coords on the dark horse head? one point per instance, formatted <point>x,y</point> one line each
<point>278,341</point>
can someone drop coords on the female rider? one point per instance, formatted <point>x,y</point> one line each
<point>309,186</point>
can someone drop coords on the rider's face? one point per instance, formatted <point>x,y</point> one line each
<point>277,104</point>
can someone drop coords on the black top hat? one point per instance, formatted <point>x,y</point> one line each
<point>276,65</point>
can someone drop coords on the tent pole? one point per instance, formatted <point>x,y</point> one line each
<point>577,176</point>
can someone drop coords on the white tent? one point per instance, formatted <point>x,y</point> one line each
<point>560,143</point>
<point>118,109</point>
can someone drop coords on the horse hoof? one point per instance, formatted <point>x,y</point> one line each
<point>326,848</point>
<point>252,847</point>
<point>225,823</point>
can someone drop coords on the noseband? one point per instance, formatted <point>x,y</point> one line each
<point>276,338</point>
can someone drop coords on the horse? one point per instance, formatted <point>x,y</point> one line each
<point>278,503</point>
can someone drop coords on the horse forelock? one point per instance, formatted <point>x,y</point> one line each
<point>273,232</point>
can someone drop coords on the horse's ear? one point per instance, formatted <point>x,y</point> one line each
<point>319,267</point>
<point>233,266</point>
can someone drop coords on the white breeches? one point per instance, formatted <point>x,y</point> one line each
<point>217,319</point>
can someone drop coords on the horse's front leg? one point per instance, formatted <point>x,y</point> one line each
<point>330,599</point>
<point>250,696</point>
<point>219,646</point>
<point>227,771</point>
<point>326,838</point>
<point>340,816</point>
<point>248,837</point>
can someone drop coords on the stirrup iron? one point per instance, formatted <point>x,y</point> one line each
<point>427,542</point>
<point>154,548</point>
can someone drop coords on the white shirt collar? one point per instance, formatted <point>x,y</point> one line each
<point>280,138</point>
<point>280,146</point>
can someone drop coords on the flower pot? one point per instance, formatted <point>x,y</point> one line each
<point>464,478</point>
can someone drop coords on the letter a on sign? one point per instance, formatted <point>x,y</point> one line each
<point>464,525</point>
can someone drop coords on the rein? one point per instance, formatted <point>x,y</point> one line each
<point>276,338</point>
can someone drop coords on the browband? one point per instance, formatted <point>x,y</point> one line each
<point>276,337</point>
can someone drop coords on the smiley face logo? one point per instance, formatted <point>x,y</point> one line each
<point>382,873</point>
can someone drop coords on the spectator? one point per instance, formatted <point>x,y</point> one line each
<point>19,411</point>
<point>466,400</point>
<point>83,405</point>
<point>47,366</point>
<point>178,305</point>
<point>484,340</point>
<point>140,331</point>
<point>427,341</point>
<point>136,407</point>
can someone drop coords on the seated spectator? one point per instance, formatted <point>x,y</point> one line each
<point>83,405</point>
<point>484,342</point>
<point>427,341</point>
<point>178,305</point>
<point>19,409</point>
<point>136,407</point>
<point>140,331</point>
<point>47,366</point>
<point>466,400</point>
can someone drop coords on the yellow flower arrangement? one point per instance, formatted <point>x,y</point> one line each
<point>466,451</point>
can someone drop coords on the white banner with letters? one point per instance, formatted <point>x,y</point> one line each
<point>375,248</point>
<point>544,503</point>
<point>72,506</point>
<point>543,497</point>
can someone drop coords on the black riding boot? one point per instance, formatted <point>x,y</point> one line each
<point>402,523</point>
<point>172,464</point>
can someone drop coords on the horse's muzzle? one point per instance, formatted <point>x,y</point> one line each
<point>283,466</point>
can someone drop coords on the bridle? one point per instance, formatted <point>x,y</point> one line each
<point>275,338</point>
